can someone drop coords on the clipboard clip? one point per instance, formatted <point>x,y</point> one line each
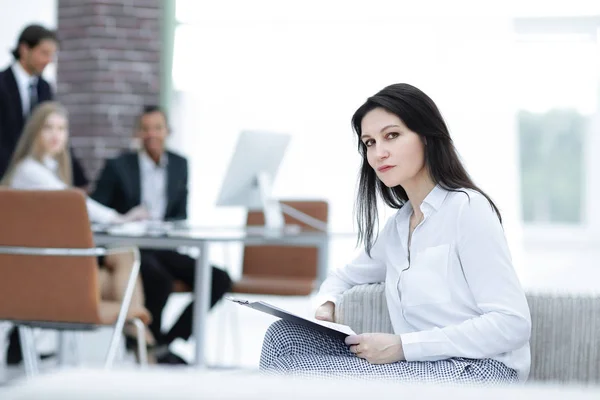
<point>243,302</point>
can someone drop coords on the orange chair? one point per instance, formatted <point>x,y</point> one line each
<point>49,271</point>
<point>279,269</point>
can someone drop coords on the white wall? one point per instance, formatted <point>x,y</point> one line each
<point>15,15</point>
<point>305,70</point>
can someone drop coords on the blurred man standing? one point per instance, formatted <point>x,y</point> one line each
<point>22,88</point>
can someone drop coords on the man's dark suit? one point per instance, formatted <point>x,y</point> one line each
<point>119,187</point>
<point>12,121</point>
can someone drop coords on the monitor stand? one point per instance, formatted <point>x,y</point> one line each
<point>271,207</point>
<point>273,210</point>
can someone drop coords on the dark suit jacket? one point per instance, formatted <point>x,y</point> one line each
<point>12,121</point>
<point>119,186</point>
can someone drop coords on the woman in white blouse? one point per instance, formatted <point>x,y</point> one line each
<point>457,308</point>
<point>42,162</point>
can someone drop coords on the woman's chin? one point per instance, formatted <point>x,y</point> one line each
<point>392,182</point>
<point>389,183</point>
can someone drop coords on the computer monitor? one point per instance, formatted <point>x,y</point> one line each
<point>251,173</point>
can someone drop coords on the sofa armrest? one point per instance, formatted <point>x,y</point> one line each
<point>565,337</point>
<point>364,309</point>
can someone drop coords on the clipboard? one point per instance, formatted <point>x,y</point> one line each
<point>330,328</point>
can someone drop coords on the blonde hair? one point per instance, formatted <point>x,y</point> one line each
<point>26,147</point>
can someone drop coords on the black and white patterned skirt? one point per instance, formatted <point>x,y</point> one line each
<point>291,349</point>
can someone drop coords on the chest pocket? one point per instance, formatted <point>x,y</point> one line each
<point>426,281</point>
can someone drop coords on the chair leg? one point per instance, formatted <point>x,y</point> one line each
<point>221,341</point>
<point>113,347</point>
<point>229,325</point>
<point>75,347</point>
<point>32,351</point>
<point>141,342</point>
<point>68,350</point>
<point>229,322</point>
<point>30,358</point>
<point>230,312</point>
<point>122,317</point>
<point>236,334</point>
<point>4,329</point>
<point>63,348</point>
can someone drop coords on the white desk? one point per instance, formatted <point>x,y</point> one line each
<point>174,236</point>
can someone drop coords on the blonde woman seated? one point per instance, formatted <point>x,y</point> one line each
<point>42,162</point>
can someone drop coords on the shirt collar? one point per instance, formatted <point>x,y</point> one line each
<point>50,163</point>
<point>435,198</point>
<point>431,203</point>
<point>148,163</point>
<point>22,76</point>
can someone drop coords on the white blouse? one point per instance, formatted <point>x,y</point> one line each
<point>32,174</point>
<point>459,295</point>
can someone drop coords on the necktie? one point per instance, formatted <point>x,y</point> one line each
<point>33,96</point>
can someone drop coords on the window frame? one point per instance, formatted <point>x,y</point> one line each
<point>584,235</point>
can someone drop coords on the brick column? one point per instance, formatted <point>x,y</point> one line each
<point>108,68</point>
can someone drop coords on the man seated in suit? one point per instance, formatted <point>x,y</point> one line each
<point>157,179</point>
<point>22,87</point>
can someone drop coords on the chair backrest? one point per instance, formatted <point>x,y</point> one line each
<point>47,288</point>
<point>285,261</point>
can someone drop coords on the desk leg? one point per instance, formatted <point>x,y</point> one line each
<point>322,261</point>
<point>202,291</point>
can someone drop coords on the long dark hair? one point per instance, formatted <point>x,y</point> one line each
<point>420,114</point>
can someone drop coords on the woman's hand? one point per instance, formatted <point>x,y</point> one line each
<point>137,213</point>
<point>325,312</point>
<point>377,348</point>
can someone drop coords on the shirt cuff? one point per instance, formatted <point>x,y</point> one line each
<point>321,299</point>
<point>423,346</point>
<point>411,346</point>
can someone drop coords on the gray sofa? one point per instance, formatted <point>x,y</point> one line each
<point>565,338</point>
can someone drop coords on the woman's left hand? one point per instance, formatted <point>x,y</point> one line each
<point>376,348</point>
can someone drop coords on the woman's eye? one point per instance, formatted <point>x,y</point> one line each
<point>369,142</point>
<point>392,135</point>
